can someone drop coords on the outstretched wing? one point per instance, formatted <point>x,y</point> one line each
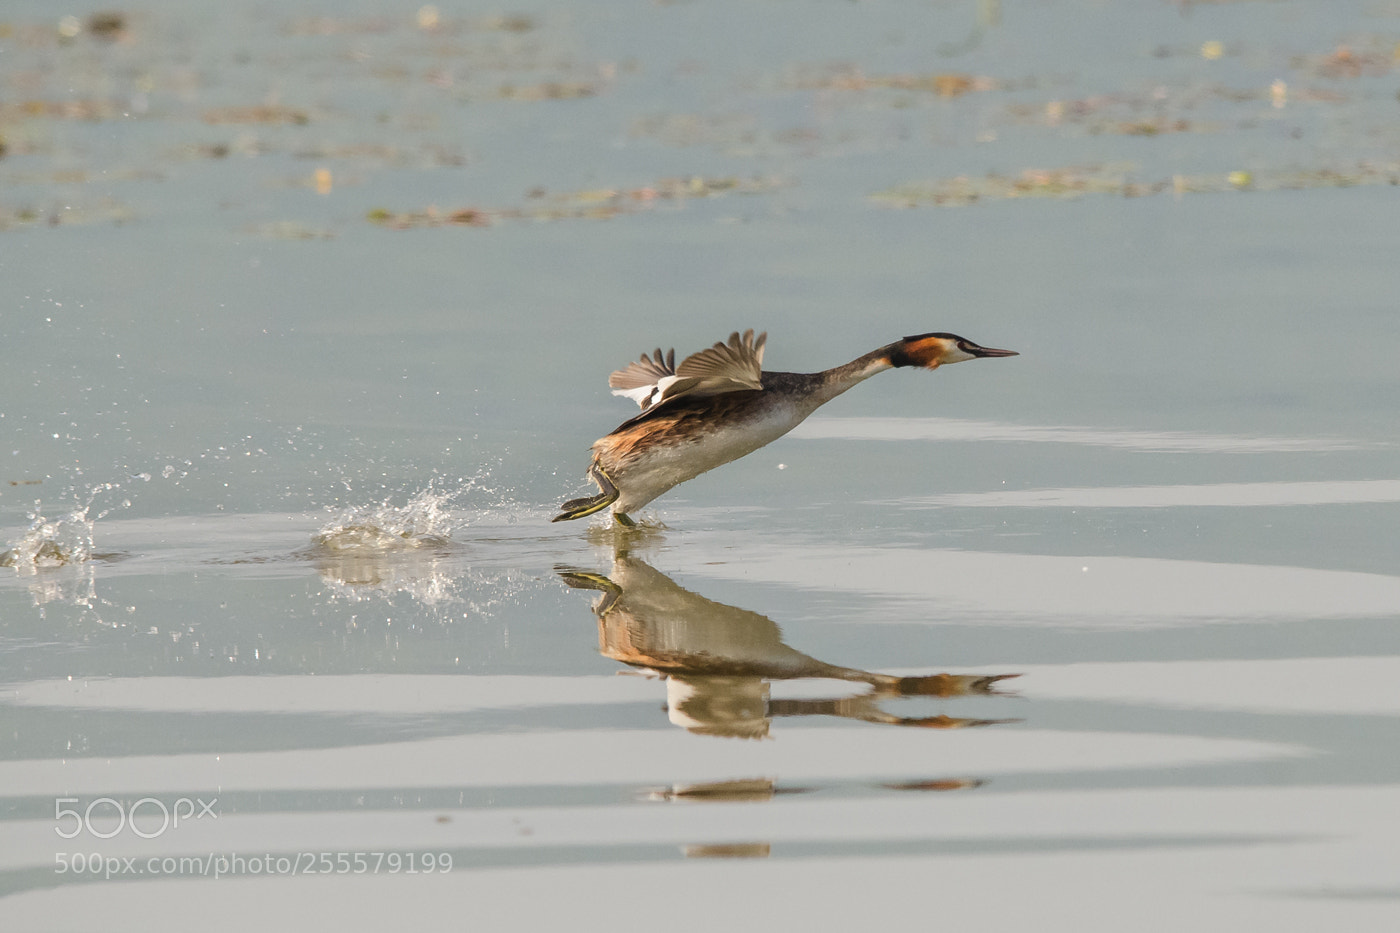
<point>725,367</point>
<point>644,380</point>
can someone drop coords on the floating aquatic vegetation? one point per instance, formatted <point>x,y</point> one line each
<point>432,217</point>
<point>429,155</point>
<point>88,109</point>
<point>428,18</point>
<point>367,154</point>
<point>941,84</point>
<point>291,230</point>
<point>265,114</point>
<point>107,24</point>
<point>549,90</point>
<point>445,62</point>
<point>1346,61</point>
<point>79,176</point>
<point>1069,182</point>
<point>596,203</point>
<point>1154,127</point>
<point>688,129</point>
<point>1363,173</point>
<point>105,210</point>
<point>1078,181</point>
<point>744,136</point>
<point>1158,111</point>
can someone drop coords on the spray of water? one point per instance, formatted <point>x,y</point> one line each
<point>425,521</point>
<point>61,539</point>
<point>387,549</point>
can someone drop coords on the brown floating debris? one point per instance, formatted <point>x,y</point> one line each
<point>595,203</point>
<point>104,210</point>
<point>291,230</point>
<point>943,84</point>
<point>1078,181</point>
<point>548,90</point>
<point>78,109</point>
<point>109,25</point>
<point>269,113</point>
<point>1347,62</point>
<point>429,217</point>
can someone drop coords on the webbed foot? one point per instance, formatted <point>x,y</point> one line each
<point>588,505</point>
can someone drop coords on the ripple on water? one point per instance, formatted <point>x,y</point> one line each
<point>1312,492</point>
<point>960,429</point>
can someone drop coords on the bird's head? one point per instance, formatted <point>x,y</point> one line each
<point>934,350</point>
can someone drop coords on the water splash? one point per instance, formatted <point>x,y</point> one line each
<point>425,521</point>
<point>57,554</point>
<point>58,542</point>
<point>383,550</point>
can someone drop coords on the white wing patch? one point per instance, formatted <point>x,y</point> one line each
<point>725,367</point>
<point>644,380</point>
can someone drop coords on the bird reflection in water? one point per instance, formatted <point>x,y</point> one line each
<point>719,660</point>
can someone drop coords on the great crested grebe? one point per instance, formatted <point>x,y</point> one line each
<point>719,405</point>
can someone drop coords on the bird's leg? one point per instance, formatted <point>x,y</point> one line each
<point>609,488</point>
<point>604,481</point>
<point>578,508</point>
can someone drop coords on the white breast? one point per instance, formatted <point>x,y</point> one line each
<point>665,467</point>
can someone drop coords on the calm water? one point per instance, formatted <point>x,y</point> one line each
<point>307,325</point>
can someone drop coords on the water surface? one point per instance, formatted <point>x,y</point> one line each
<point>308,323</point>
